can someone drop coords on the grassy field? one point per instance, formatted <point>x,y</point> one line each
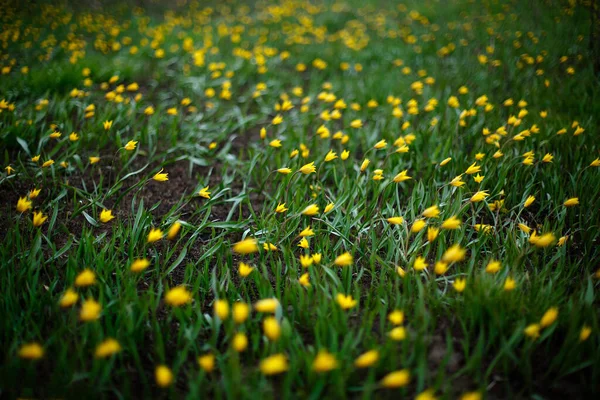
<point>301,199</point>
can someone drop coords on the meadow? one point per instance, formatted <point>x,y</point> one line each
<point>299,199</point>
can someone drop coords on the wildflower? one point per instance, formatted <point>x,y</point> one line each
<point>324,362</point>
<point>73,137</point>
<point>304,279</point>
<point>549,317</point>
<point>595,163</point>
<point>87,277</point>
<point>573,201</point>
<point>529,201</point>
<point>316,258</point>
<point>397,334</point>
<point>276,143</point>
<point>451,223</point>
<point>68,298</point>
<point>457,181</point>
<point>33,159</point>
<point>428,394</point>
<point>479,196</point>
<point>585,333</point>
<point>106,215</point>
<point>471,396</point>
<point>459,284</point>
<point>204,193</point>
<point>562,240</point>
<point>432,233</point>
<point>431,212</point>
<point>418,225</point>
<point>445,161</point>
<point>396,317</point>
<point>364,164</point>
<point>246,246</point>
<point>509,284</point>
<point>266,305</point>
<point>454,254</point>
<point>271,328</point>
<point>90,310</point>
<point>345,302</point>
<point>178,296</point>
<point>420,264</point>
<point>23,204</point>
<point>221,308</point>
<point>524,228</point>
<point>478,178</point>
<point>139,265</point>
<point>39,219</point>
<point>382,144</point>
<point>402,176</point>
<point>278,119</point>
<point>474,168</point>
<point>281,208</point>
<point>345,154</point>
<point>395,220</point>
<point>311,210</point>
<point>366,359</point>
<point>163,376</point>
<point>9,169</point>
<point>284,170</point>
<point>328,208</point>
<point>548,158</point>
<point>308,168</point>
<point>396,379</point>
<point>269,247</point>
<point>130,146</point>
<point>344,260</point>
<point>303,243</point>
<point>55,135</point>
<point>357,123</point>
<point>440,268</point>
<point>239,342</point>
<point>207,362</point>
<point>31,351</point>
<point>94,160</point>
<point>330,156</point>
<point>244,269</point>
<point>273,365</point>
<point>33,193</point>
<point>493,267</point>
<point>160,177</point>
<point>174,230</point>
<point>533,331</point>
<point>543,241</point>
<point>107,348</point>
<point>154,235</point>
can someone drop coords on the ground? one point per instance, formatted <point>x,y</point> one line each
<point>328,199</point>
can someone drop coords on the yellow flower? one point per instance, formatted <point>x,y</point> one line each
<point>524,228</point>
<point>271,328</point>
<point>382,144</point>
<point>329,207</point>
<point>345,154</point>
<point>246,246</point>
<point>39,219</point>
<point>402,176</point>
<point>330,156</point>
<point>549,317</point>
<point>303,243</point>
<point>366,359</point>
<point>277,120</point>
<point>284,170</point>
<point>306,261</point>
<point>106,215</point>
<point>573,201</point>
<point>273,365</point>
<point>395,220</point>
<point>418,225</point>
<point>130,146</point>
<point>308,168</point>
<point>240,312</point>
<point>493,267</point>
<point>90,310</point>
<point>474,168</point>
<point>276,143</point>
<point>35,158</point>
<point>266,305</point>
<point>174,230</point>
<point>317,258</point>
<point>533,331</point>
<point>55,135</point>
<point>357,123</point>
<point>344,260</point>
<point>94,160</point>
<point>364,164</point>
<point>154,235</point>
<point>207,362</point>
<point>160,177</point>
<point>221,309</point>
<point>459,284</point>
<point>543,241</point>
<point>107,348</point>
<point>420,264</point>
<point>139,265</point>
<point>345,302</point>
<point>244,269</point>
<point>306,232</point>
<point>239,342</point>
<point>23,204</point>
<point>471,396</point>
<point>163,376</point>
<point>479,196</point>
<point>304,279</point>
<point>68,298</point>
<point>324,362</point>
<point>396,317</point>
<point>396,379</point>
<point>451,223</point>
<point>585,333</point>
<point>428,394</point>
<point>33,193</point>
<point>453,254</point>
<point>440,268</point>
<point>204,193</point>
<point>73,137</point>
<point>178,296</point>
<point>457,181</point>
<point>529,201</point>
<point>432,233</point>
<point>445,161</point>
<point>509,284</point>
<point>595,163</point>
<point>31,351</point>
<point>149,110</point>
<point>431,212</point>
<point>397,334</point>
<point>313,209</point>
<point>87,277</point>
<point>281,208</point>
<point>478,178</point>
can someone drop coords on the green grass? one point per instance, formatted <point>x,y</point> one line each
<point>471,342</point>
